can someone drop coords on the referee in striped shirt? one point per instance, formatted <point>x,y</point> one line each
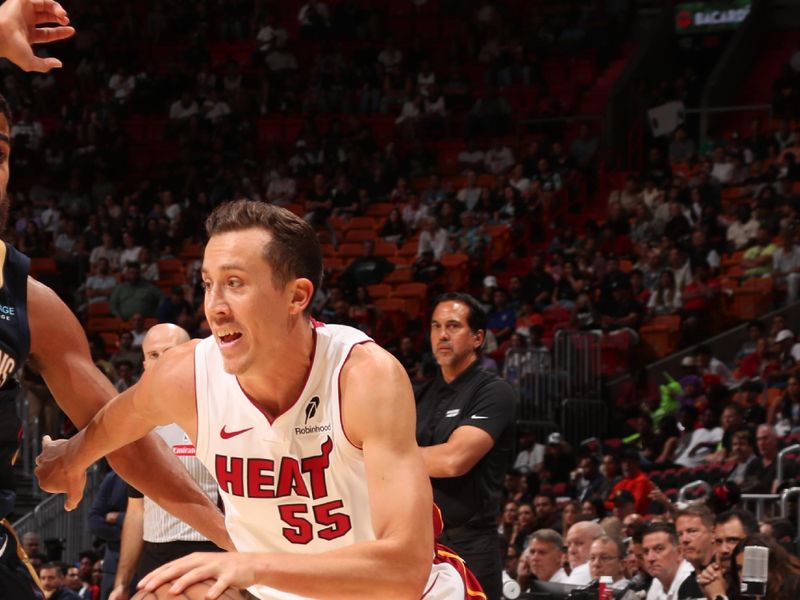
<point>151,536</point>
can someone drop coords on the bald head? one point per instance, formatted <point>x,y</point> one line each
<point>579,540</point>
<point>161,338</point>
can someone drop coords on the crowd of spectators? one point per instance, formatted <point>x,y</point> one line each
<point>64,581</point>
<point>671,241</point>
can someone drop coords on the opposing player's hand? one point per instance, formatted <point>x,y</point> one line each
<point>19,31</point>
<point>229,569</point>
<point>55,474</point>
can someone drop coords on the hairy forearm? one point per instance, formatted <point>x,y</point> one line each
<point>147,464</point>
<point>378,569</point>
<point>143,460</point>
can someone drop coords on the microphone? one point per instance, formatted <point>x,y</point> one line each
<point>754,571</point>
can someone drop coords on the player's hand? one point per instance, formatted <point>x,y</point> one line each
<point>19,31</point>
<point>120,592</point>
<point>229,569</point>
<point>55,474</point>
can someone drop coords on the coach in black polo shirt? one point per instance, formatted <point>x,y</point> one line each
<point>465,425</point>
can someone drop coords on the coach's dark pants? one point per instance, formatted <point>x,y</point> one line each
<point>480,549</point>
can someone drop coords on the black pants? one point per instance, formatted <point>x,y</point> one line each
<point>480,549</point>
<point>155,555</point>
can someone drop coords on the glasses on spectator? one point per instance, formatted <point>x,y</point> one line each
<point>602,558</point>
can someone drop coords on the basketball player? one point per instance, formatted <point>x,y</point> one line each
<point>151,536</point>
<point>308,429</point>
<point>36,325</point>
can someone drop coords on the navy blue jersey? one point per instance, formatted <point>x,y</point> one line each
<point>15,336</point>
<point>15,344</point>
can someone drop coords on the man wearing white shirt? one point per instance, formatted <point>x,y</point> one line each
<point>471,158</point>
<point>579,541</point>
<point>605,560</point>
<point>469,195</point>
<point>531,456</point>
<point>701,440</point>
<point>499,158</point>
<point>542,559</point>
<point>673,577</point>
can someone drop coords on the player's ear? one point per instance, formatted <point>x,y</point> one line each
<point>302,295</point>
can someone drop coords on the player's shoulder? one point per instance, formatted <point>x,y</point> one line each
<point>40,294</point>
<point>370,354</point>
<point>370,364</point>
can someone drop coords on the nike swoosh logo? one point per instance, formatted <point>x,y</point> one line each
<point>478,417</point>
<point>226,435</point>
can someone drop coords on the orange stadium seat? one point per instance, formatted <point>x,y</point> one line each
<point>107,324</point>
<point>99,309</point>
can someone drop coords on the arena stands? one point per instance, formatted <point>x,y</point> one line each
<point>444,145</point>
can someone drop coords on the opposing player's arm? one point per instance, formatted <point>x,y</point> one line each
<point>130,416</point>
<point>378,415</point>
<point>61,353</point>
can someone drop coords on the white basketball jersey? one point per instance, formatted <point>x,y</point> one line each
<point>295,484</point>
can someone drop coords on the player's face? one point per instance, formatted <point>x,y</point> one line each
<point>452,340</point>
<point>5,152</point>
<point>245,311</point>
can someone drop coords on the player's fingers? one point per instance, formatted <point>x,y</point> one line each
<point>46,439</point>
<point>45,35</point>
<point>50,7</point>
<point>164,573</point>
<point>199,573</point>
<point>216,590</point>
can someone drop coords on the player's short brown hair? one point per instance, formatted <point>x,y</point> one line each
<point>293,250</point>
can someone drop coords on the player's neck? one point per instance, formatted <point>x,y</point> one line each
<point>277,384</point>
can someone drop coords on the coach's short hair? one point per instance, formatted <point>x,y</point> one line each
<point>293,249</point>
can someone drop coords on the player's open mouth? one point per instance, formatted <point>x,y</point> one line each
<point>228,337</point>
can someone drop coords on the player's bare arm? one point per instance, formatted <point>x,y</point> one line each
<point>378,416</point>
<point>19,31</point>
<point>60,351</point>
